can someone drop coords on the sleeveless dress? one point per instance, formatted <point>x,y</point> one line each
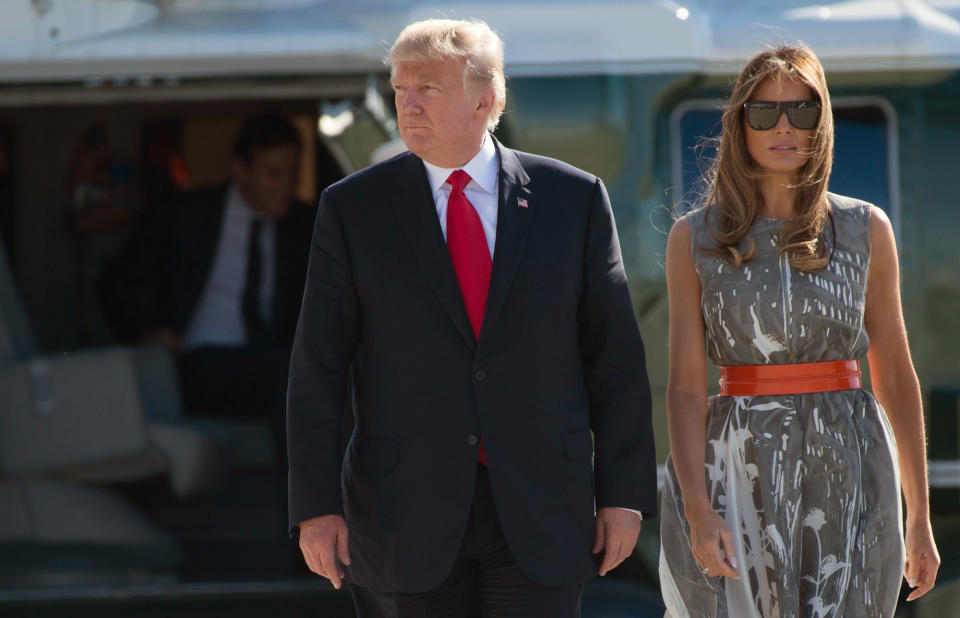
<point>808,484</point>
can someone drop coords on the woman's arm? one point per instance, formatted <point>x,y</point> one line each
<point>898,391</point>
<point>687,405</point>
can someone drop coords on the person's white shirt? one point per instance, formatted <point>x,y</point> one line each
<point>482,191</point>
<point>218,318</point>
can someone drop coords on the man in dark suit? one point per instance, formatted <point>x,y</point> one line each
<point>475,299</point>
<point>218,277</point>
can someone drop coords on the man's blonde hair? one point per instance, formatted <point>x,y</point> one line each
<point>471,42</point>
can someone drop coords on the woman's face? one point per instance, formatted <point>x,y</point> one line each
<point>783,149</point>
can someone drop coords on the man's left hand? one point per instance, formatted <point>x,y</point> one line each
<point>617,531</point>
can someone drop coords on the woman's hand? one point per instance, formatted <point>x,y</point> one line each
<point>923,560</point>
<point>712,544</point>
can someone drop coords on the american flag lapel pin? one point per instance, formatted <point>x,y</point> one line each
<point>521,203</point>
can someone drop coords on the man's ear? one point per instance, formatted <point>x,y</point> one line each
<point>485,102</point>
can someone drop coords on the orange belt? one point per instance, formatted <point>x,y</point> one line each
<point>792,379</point>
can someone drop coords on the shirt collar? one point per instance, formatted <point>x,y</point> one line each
<point>482,168</point>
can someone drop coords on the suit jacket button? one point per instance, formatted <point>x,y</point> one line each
<point>480,375</point>
<point>472,440</point>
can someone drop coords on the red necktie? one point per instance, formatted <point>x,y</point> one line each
<point>470,254</point>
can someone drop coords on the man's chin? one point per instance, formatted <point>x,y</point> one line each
<point>416,142</point>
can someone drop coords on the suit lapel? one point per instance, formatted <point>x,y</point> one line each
<point>514,214</point>
<point>418,218</point>
<point>202,228</point>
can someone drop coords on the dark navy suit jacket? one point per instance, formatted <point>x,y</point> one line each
<point>556,385</point>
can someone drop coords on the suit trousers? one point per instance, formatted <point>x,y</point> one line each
<point>485,581</point>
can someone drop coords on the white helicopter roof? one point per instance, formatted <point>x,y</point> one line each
<point>49,41</point>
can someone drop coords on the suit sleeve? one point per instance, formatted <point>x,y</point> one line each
<point>324,349</point>
<point>615,371</point>
<point>134,286</point>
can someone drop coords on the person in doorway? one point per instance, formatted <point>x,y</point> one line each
<point>217,276</point>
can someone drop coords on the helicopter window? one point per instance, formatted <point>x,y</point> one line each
<point>558,116</point>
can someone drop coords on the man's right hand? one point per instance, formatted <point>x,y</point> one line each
<point>323,540</point>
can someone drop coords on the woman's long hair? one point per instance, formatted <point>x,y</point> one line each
<point>733,192</point>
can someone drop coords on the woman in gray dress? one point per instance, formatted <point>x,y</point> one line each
<point>782,494</point>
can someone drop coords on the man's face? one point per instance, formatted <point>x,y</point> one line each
<point>268,182</point>
<point>440,120</point>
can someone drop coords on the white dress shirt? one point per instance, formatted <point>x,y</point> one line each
<point>218,318</point>
<point>482,191</point>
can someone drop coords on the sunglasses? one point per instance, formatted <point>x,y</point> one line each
<point>764,115</point>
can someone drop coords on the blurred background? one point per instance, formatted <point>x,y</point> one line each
<point>117,499</point>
